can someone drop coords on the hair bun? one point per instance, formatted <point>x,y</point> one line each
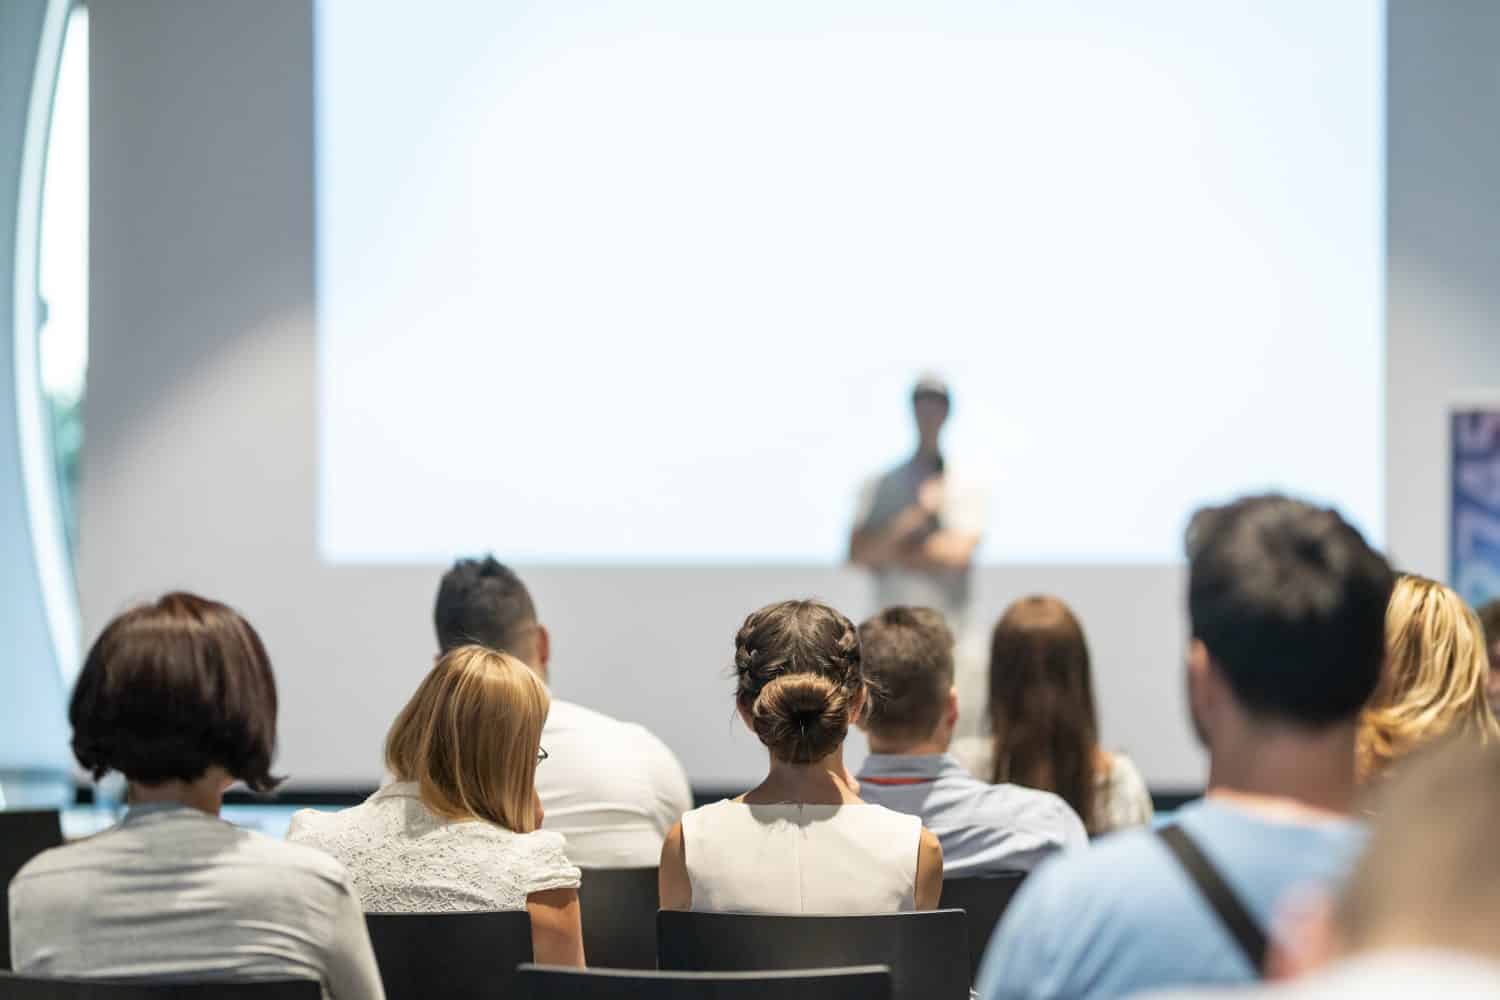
<point>801,717</point>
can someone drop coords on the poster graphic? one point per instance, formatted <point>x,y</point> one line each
<point>1474,539</point>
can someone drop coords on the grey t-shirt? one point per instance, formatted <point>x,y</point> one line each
<point>885,496</point>
<point>173,894</point>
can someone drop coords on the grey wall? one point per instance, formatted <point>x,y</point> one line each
<point>32,723</point>
<point>200,463</point>
<point>1443,242</point>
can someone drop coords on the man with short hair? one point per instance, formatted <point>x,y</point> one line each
<point>611,788</point>
<point>907,655</point>
<point>1287,610</point>
<point>1417,917</point>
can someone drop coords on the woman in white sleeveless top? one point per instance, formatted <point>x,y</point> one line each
<point>801,841</point>
<point>458,830</point>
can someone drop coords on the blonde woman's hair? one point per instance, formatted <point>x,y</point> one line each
<point>469,736</point>
<point>1433,683</point>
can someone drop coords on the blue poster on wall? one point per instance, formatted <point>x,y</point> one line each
<point>1474,567</point>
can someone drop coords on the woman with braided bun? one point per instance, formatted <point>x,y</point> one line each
<point>801,841</point>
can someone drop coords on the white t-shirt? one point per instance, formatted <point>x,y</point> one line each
<point>403,859</point>
<point>611,788</point>
<point>796,858</point>
<point>884,496</point>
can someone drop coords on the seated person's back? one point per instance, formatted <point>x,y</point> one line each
<point>1286,604</point>
<point>795,858</point>
<point>457,830</point>
<point>802,841</point>
<point>179,697</point>
<point>984,829</point>
<point>612,788</point>
<point>174,894</point>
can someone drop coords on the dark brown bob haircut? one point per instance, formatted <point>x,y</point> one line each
<point>173,688</point>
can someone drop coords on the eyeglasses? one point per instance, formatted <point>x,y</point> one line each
<point>541,754</point>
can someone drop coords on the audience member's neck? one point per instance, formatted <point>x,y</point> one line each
<point>1281,769</point>
<point>934,744</point>
<point>823,782</point>
<point>206,794</point>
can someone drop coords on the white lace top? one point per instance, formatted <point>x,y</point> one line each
<point>403,859</point>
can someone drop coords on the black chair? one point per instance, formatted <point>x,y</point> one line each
<point>457,956</point>
<point>23,835</point>
<point>14,987</point>
<point>618,906</point>
<point>984,898</point>
<point>544,982</point>
<point>927,953</point>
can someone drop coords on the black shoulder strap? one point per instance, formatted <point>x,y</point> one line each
<point>1237,920</point>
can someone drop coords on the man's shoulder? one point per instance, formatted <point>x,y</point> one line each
<point>1026,809</point>
<point>1124,887</point>
<point>569,719</point>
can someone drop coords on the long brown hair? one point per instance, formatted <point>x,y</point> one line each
<point>1041,705</point>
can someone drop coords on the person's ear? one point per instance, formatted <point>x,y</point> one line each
<point>543,649</point>
<point>744,714</point>
<point>950,716</point>
<point>1203,686</point>
<point>859,706</point>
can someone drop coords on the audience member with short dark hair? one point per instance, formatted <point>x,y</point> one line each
<point>1287,605</point>
<point>1043,727</point>
<point>983,828</point>
<point>1434,681</point>
<point>458,829</point>
<point>802,841</point>
<point>1417,917</point>
<point>179,697</point>
<point>1489,619</point>
<point>612,788</point>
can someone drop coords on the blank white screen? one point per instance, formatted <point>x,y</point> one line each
<point>647,281</point>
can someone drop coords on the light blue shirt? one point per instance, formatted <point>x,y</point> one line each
<point>1124,917</point>
<point>983,828</point>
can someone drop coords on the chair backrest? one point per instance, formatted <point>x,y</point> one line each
<point>23,835</point>
<point>927,952</point>
<point>458,956</point>
<point>984,898</point>
<point>618,906</point>
<point>14,987</point>
<point>866,982</point>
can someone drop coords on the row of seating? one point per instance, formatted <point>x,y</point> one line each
<point>532,982</point>
<point>476,954</point>
<point>469,956</point>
